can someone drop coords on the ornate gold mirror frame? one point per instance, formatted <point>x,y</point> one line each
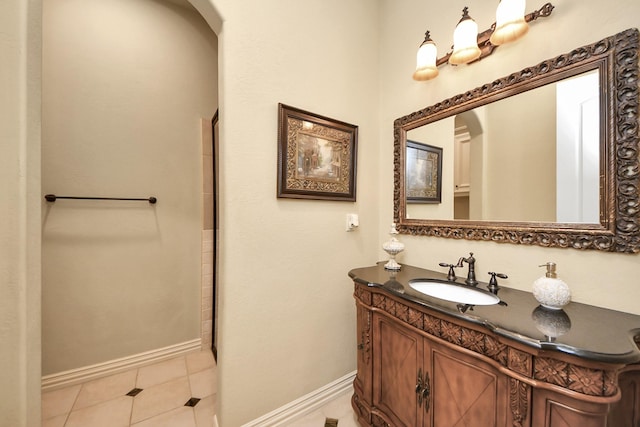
<point>616,58</point>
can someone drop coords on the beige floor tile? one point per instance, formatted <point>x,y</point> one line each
<point>59,402</point>
<point>203,383</point>
<point>199,361</point>
<point>113,413</point>
<point>339,407</point>
<point>161,372</point>
<point>167,386</point>
<point>314,419</point>
<point>349,421</point>
<point>180,417</point>
<point>55,421</point>
<point>205,410</point>
<point>160,398</point>
<point>107,388</point>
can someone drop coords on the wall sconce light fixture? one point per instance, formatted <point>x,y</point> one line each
<point>469,46</point>
<point>465,40</point>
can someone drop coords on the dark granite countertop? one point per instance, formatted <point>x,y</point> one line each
<point>587,331</point>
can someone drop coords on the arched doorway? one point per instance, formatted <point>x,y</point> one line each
<point>91,125</point>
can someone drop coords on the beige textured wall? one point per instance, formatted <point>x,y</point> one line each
<point>125,85</point>
<point>604,279</point>
<point>286,308</point>
<point>20,32</point>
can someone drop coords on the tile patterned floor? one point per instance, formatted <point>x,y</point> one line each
<point>180,392</point>
<point>339,409</point>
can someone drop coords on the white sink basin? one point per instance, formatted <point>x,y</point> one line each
<point>461,294</point>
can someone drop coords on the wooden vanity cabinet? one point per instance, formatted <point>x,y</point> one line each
<point>421,367</point>
<point>409,370</point>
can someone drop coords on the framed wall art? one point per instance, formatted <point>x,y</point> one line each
<point>424,173</point>
<point>316,156</point>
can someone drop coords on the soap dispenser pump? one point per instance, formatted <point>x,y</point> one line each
<point>550,291</point>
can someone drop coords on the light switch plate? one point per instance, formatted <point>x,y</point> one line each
<point>352,222</point>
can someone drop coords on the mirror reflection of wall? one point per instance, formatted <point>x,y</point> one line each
<point>533,157</point>
<point>520,157</point>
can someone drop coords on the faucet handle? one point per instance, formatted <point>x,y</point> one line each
<point>451,276</point>
<point>493,282</point>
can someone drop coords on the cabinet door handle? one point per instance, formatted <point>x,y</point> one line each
<point>426,391</point>
<point>423,389</point>
<point>419,389</point>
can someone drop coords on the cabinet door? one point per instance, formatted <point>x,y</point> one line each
<point>554,410</point>
<point>465,391</point>
<point>398,358</point>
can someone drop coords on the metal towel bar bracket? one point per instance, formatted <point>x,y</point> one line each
<point>52,198</point>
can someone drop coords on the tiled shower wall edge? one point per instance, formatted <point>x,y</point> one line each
<point>206,329</point>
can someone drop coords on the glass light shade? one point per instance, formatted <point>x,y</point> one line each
<point>426,68</point>
<point>510,22</point>
<point>465,41</point>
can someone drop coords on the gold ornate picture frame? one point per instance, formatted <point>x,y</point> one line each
<point>316,156</point>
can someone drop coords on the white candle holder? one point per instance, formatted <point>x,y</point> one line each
<point>393,247</point>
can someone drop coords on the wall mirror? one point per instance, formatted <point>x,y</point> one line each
<point>546,156</point>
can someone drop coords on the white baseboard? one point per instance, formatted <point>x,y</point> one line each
<point>80,375</point>
<point>306,404</point>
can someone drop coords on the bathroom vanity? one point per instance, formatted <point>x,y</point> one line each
<point>425,361</point>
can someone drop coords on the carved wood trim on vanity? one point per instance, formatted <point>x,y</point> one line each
<point>529,368</point>
<point>518,401</point>
<point>378,421</point>
<point>359,406</point>
<point>365,339</point>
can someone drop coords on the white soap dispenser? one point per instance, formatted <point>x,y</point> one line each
<point>550,291</point>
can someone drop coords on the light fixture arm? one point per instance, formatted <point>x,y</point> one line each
<point>486,46</point>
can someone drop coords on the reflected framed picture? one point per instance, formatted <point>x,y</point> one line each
<point>316,156</point>
<point>423,173</point>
